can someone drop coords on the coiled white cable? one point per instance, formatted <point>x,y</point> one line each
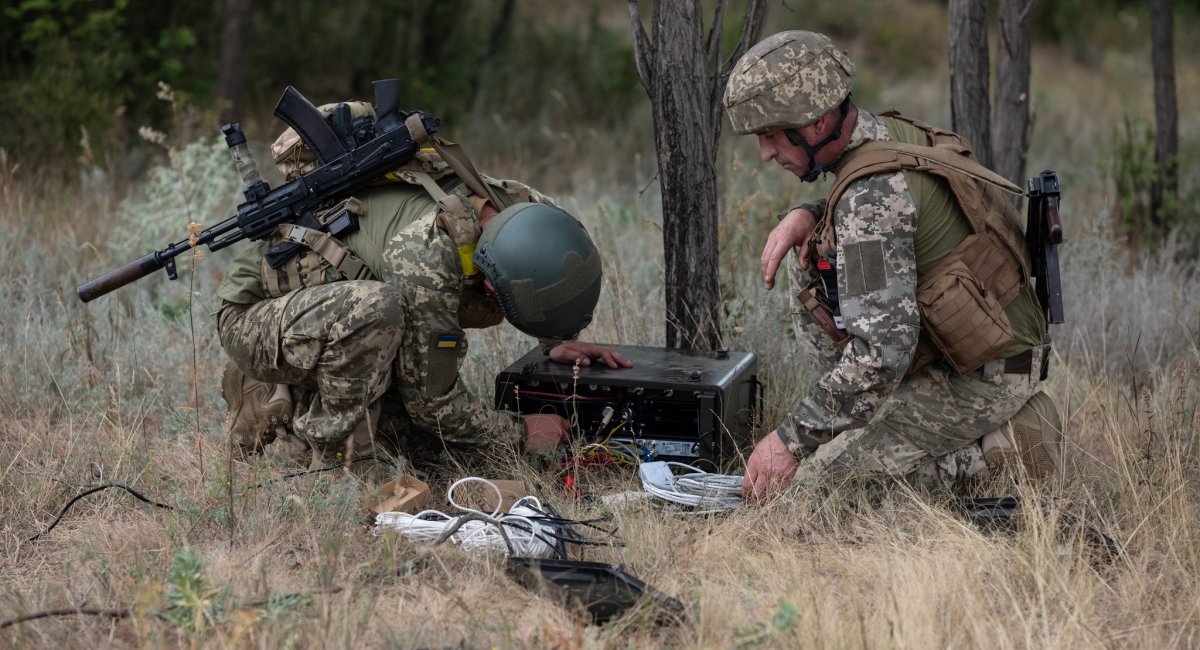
<point>697,488</point>
<point>527,533</point>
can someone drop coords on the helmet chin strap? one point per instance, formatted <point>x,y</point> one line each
<point>815,168</point>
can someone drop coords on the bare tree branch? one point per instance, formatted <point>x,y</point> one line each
<point>752,27</point>
<point>1028,8</point>
<point>712,49</point>
<point>643,52</point>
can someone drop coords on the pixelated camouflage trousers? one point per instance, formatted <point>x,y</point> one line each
<point>336,343</point>
<point>927,432</point>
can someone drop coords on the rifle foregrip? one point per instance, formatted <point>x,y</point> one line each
<point>1053,222</point>
<point>117,278</point>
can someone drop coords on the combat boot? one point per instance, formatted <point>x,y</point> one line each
<point>1032,440</point>
<point>364,453</point>
<point>258,411</point>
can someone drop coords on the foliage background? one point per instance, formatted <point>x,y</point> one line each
<point>99,164</point>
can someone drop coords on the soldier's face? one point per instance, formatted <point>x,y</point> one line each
<point>774,145</point>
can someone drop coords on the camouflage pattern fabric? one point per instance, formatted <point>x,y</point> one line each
<point>788,80</point>
<point>863,414</point>
<point>347,345</point>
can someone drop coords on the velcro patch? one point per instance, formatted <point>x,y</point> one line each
<point>446,341</point>
<point>865,270</point>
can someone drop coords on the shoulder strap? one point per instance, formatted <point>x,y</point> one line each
<point>457,219</point>
<point>938,137</point>
<point>457,159</point>
<point>887,156</point>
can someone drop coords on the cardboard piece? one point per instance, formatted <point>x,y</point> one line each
<point>483,498</point>
<point>404,494</point>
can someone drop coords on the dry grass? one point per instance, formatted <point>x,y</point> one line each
<point>102,393</point>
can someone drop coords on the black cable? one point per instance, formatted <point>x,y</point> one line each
<point>125,612</point>
<point>94,490</point>
<point>144,499</point>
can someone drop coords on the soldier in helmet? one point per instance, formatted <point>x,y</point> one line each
<point>911,278</point>
<point>327,336</point>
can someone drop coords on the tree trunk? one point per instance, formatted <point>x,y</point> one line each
<point>969,106</point>
<point>683,137</point>
<point>685,97</point>
<point>1012,122</point>
<point>1166,109</point>
<point>229,77</point>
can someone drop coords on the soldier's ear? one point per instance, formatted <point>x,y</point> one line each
<point>825,124</point>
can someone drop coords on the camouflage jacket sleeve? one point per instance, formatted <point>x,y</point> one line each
<point>817,208</point>
<point>242,283</point>
<point>875,223</point>
<point>423,263</point>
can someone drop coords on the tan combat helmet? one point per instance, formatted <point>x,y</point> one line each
<point>294,158</point>
<point>787,81</point>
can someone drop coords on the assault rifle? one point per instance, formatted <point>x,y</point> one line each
<point>1043,234</point>
<point>350,160</point>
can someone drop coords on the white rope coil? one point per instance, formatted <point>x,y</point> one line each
<point>696,488</point>
<point>524,525</point>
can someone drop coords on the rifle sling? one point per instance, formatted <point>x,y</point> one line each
<point>458,161</point>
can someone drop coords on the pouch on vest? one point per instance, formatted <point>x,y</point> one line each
<point>964,321</point>
<point>458,217</point>
<point>813,299</point>
<point>324,257</point>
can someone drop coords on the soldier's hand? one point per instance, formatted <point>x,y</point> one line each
<point>544,433</point>
<point>795,229</point>
<point>583,353</point>
<point>770,468</point>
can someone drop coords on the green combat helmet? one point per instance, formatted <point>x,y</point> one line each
<point>545,268</point>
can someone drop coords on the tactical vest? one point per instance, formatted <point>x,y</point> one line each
<point>962,297</point>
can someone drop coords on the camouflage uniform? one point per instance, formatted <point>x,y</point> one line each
<point>864,413</point>
<point>346,345</point>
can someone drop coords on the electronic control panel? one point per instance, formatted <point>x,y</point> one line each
<point>691,406</point>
